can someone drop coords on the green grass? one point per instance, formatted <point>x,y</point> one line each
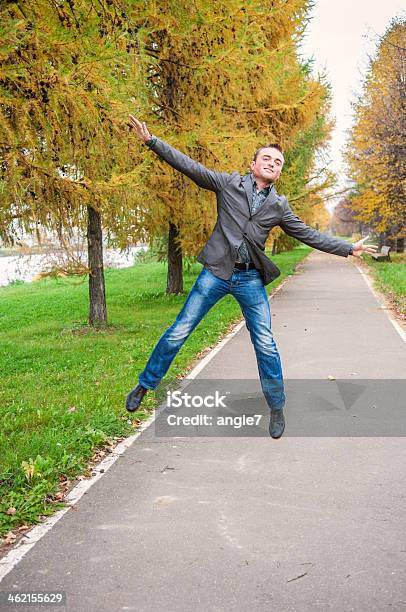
<point>63,385</point>
<point>390,278</point>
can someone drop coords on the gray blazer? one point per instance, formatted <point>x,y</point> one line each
<point>235,222</point>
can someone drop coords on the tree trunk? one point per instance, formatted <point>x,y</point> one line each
<point>400,245</point>
<point>274,246</point>
<point>175,271</point>
<point>97,292</point>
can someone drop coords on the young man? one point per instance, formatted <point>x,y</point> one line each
<point>248,207</point>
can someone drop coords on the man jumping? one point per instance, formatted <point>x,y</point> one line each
<point>248,207</point>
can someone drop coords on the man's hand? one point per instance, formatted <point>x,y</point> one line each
<point>358,247</point>
<point>142,131</point>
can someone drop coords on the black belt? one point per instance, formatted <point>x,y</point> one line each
<point>239,265</point>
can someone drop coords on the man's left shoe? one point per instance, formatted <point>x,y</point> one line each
<point>276,423</point>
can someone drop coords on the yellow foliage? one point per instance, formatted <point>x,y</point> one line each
<point>376,151</point>
<point>216,80</point>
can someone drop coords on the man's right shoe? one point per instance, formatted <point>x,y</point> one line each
<point>276,423</point>
<point>135,397</point>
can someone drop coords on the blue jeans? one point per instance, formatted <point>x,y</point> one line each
<point>248,289</point>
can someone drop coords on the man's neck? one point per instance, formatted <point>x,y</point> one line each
<point>261,184</point>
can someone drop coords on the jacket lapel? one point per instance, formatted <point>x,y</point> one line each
<point>271,199</point>
<point>247,184</point>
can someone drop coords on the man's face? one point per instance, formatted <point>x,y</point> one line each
<point>268,165</point>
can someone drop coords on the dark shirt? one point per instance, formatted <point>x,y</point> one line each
<point>258,198</point>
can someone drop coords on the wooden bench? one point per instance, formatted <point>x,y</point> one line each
<point>382,255</point>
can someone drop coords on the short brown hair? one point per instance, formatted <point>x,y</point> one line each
<point>273,145</point>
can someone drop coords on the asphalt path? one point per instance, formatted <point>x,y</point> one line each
<point>313,521</point>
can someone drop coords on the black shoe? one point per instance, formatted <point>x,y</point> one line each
<point>276,423</point>
<point>135,397</point>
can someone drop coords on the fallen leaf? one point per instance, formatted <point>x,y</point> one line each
<point>11,511</point>
<point>10,538</point>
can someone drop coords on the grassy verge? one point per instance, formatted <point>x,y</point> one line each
<point>63,385</point>
<point>390,278</point>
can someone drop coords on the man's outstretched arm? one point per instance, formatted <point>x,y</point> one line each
<point>208,179</point>
<point>295,227</point>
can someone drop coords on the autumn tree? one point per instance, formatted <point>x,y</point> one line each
<point>68,72</point>
<point>376,150</point>
<point>216,80</point>
<point>224,78</point>
<point>306,177</point>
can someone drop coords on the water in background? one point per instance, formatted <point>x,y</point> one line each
<point>26,267</point>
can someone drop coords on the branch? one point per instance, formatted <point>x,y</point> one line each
<point>337,193</point>
<point>305,194</point>
<point>387,42</point>
<point>54,177</point>
<point>316,176</point>
<point>269,109</point>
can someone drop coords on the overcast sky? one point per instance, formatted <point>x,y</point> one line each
<point>340,36</point>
